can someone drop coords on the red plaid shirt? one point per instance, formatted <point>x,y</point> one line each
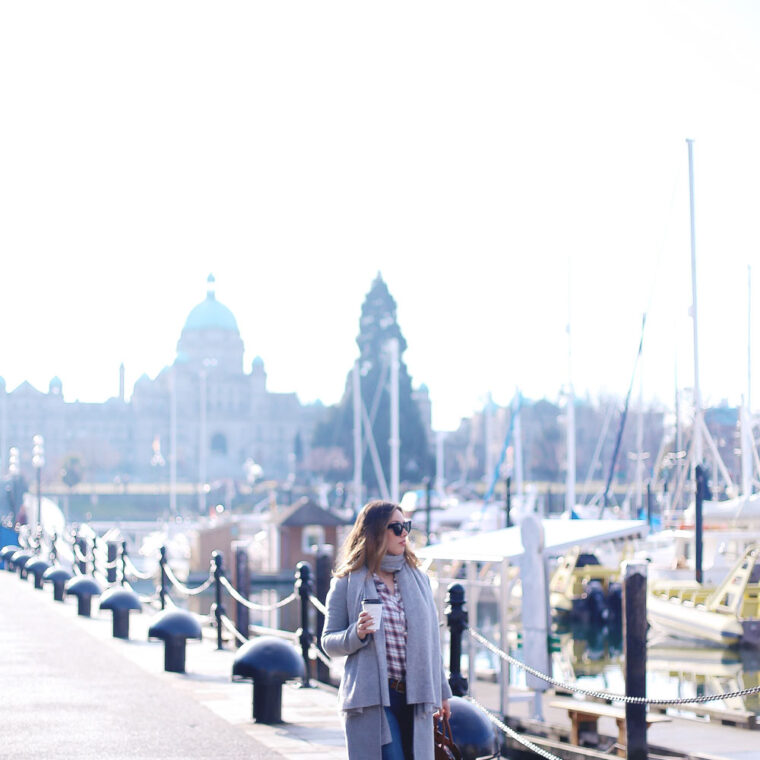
<point>394,625</point>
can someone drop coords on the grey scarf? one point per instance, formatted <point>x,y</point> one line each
<point>423,654</point>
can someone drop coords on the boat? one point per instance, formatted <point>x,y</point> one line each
<point>728,614</point>
<point>583,588</point>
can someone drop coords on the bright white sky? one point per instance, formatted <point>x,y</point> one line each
<point>475,153</point>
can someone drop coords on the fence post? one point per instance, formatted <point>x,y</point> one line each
<point>322,584</point>
<point>217,560</point>
<point>699,496</point>
<point>123,562</point>
<point>635,655</point>
<point>303,589</point>
<point>81,544</point>
<point>53,549</point>
<point>112,554</point>
<point>456,618</point>
<point>164,579</point>
<point>243,585</point>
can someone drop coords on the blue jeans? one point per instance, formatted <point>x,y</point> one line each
<point>401,720</point>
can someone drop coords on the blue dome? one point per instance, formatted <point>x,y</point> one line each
<point>210,314</point>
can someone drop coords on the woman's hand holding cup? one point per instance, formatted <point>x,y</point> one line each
<point>365,625</point>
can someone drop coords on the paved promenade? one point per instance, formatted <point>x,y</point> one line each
<point>69,689</point>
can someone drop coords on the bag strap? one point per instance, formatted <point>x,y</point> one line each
<point>446,733</point>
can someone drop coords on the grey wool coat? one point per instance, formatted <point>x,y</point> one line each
<point>364,685</point>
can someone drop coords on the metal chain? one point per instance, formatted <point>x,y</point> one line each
<point>606,694</point>
<point>253,605</point>
<point>321,655</point>
<point>182,588</point>
<point>230,626</point>
<point>137,574</point>
<point>320,607</point>
<point>511,732</point>
<point>264,631</point>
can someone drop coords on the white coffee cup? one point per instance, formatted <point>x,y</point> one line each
<point>375,609</point>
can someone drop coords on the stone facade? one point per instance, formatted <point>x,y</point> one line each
<point>225,418</point>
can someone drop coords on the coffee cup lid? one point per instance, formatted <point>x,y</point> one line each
<point>370,601</point>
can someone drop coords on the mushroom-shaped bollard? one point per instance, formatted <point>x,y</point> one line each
<point>472,730</point>
<point>270,662</point>
<point>6,553</point>
<point>19,559</point>
<point>37,567</point>
<point>83,587</point>
<point>120,601</point>
<point>174,627</point>
<point>59,577</point>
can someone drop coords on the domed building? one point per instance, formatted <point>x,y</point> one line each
<point>217,417</point>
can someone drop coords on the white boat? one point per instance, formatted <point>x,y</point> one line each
<point>728,615</point>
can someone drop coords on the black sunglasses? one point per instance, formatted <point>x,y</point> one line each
<point>399,527</point>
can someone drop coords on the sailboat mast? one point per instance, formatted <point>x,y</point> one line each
<point>357,399</point>
<point>570,411</point>
<point>749,339</point>
<point>698,450</point>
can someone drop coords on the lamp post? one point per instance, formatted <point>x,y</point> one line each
<point>12,486</point>
<point>38,460</point>
<point>202,434</point>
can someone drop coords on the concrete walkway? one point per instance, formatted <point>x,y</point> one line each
<point>69,689</point>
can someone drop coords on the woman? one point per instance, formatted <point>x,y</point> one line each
<point>393,681</point>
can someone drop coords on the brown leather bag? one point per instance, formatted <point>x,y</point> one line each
<point>445,749</point>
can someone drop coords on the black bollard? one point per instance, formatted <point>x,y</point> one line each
<point>323,572</point>
<point>83,587</point>
<point>120,601</point>
<point>164,578</point>
<point>635,657</point>
<point>303,589</point>
<point>112,549</point>
<point>456,618</point>
<point>243,586</point>
<point>217,561</point>
<point>268,662</point>
<point>174,627</point>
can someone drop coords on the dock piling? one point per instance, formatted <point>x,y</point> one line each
<point>635,655</point>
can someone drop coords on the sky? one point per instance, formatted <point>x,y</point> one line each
<point>511,168</point>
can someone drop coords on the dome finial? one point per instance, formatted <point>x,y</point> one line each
<point>211,287</point>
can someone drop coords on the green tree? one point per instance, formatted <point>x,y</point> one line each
<point>377,326</point>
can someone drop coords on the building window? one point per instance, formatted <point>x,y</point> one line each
<point>312,535</point>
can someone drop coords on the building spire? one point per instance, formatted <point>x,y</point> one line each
<point>211,288</point>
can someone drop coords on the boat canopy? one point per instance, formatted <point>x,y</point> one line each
<point>559,535</point>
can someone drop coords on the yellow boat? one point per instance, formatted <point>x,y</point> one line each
<point>728,614</point>
<point>582,587</point>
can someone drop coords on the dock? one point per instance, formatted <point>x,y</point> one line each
<point>72,690</point>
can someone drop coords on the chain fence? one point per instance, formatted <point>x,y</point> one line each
<point>606,695</point>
